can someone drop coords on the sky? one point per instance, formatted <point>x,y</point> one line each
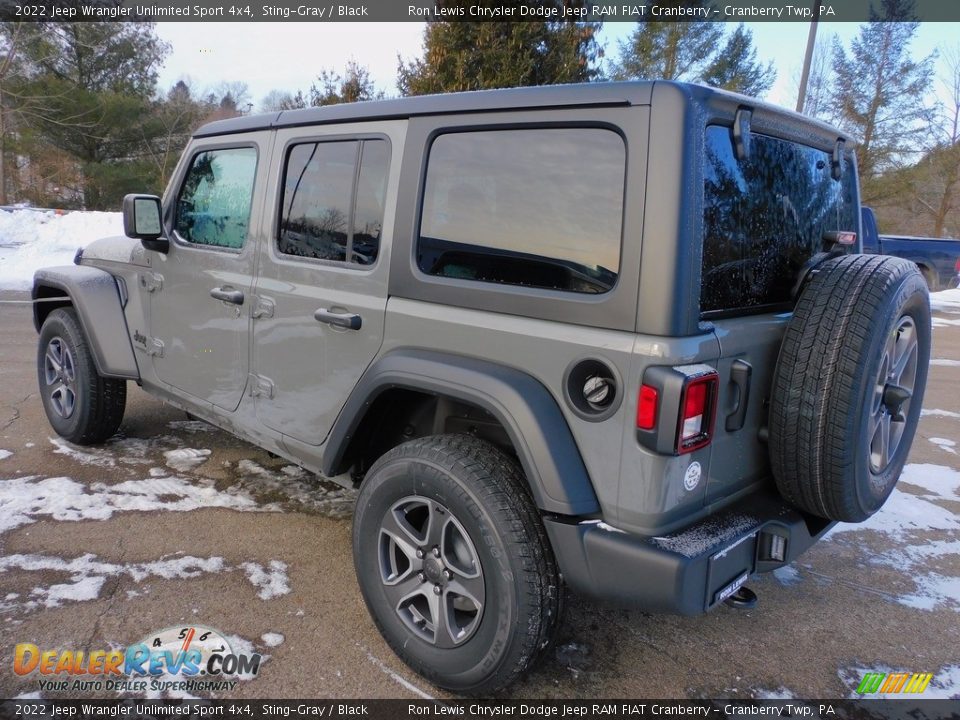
<point>289,56</point>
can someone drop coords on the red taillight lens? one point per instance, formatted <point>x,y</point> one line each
<point>647,408</point>
<point>698,405</point>
<point>957,266</point>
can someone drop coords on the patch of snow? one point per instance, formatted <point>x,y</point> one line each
<point>939,413</point>
<point>944,322</point>
<point>272,639</point>
<point>100,459</point>
<point>23,499</point>
<point>30,240</point>
<point>186,459</point>
<point>944,444</point>
<point>934,591</point>
<point>945,362</point>
<point>302,491</point>
<point>28,445</point>
<point>4,454</point>
<point>787,575</point>
<point>945,299</point>
<point>88,574</point>
<point>272,582</point>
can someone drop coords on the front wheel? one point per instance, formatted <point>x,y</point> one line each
<point>81,405</point>
<point>454,564</point>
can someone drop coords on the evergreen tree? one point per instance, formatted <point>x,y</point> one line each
<point>736,66</point>
<point>97,81</point>
<point>660,49</point>
<point>355,85</point>
<point>879,90</point>
<point>480,55</point>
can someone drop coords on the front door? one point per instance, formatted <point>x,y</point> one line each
<point>199,318</point>
<point>322,283</point>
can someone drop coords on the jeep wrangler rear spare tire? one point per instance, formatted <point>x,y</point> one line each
<point>849,384</point>
<point>454,564</point>
<point>81,405</point>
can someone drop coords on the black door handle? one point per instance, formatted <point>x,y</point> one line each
<point>740,373</point>
<point>350,321</point>
<point>228,294</point>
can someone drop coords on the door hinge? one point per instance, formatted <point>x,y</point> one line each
<point>155,348</point>
<point>261,387</point>
<point>151,281</point>
<point>262,307</point>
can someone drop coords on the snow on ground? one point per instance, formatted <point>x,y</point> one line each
<point>944,444</point>
<point>186,459</point>
<point>272,639</point>
<point>945,300</point>
<point>87,575</point>
<point>30,239</point>
<point>946,362</point>
<point>24,499</point>
<point>271,582</point>
<point>921,528</point>
<point>4,454</point>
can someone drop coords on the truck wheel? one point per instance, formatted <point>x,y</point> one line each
<point>454,564</point>
<point>82,406</point>
<point>849,384</point>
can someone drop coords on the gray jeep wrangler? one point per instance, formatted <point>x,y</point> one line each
<point>616,336</point>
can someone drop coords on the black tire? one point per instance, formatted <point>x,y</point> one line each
<point>483,491</point>
<point>82,406</point>
<point>831,453</point>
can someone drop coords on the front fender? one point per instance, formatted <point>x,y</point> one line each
<point>523,406</point>
<point>96,299</point>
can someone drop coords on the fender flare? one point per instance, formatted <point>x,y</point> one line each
<point>526,409</point>
<point>96,298</point>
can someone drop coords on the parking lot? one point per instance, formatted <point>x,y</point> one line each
<point>174,522</point>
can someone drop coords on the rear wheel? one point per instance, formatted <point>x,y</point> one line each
<point>849,385</point>
<point>82,406</point>
<point>453,562</point>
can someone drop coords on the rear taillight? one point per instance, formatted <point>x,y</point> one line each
<point>647,408</point>
<point>957,266</point>
<point>698,405</point>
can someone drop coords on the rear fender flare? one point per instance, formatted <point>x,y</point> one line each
<point>523,406</point>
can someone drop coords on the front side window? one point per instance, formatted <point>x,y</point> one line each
<point>764,216</point>
<point>333,200</point>
<point>213,207</point>
<point>540,208</point>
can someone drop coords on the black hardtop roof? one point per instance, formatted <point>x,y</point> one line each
<point>602,93</point>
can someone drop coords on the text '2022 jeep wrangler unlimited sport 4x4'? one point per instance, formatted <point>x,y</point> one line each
<point>615,334</point>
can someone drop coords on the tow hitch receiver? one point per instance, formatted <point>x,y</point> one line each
<point>743,599</point>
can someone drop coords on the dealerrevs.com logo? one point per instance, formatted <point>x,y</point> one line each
<point>193,658</point>
<point>894,683</point>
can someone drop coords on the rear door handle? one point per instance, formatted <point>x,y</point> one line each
<point>350,321</point>
<point>228,294</point>
<point>740,372</point>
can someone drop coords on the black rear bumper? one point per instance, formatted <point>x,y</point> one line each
<point>690,571</point>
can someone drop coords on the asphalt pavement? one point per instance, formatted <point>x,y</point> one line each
<point>175,523</point>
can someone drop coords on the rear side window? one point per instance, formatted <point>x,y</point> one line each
<point>535,207</point>
<point>764,217</point>
<point>213,207</point>
<point>332,205</point>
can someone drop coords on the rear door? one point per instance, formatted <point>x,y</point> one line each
<point>764,216</point>
<point>322,284</point>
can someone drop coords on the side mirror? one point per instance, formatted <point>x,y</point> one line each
<point>142,220</point>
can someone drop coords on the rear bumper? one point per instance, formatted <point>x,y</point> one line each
<point>690,571</point>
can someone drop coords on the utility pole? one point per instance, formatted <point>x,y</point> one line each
<point>808,57</point>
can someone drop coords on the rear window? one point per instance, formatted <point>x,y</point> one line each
<point>534,207</point>
<point>764,217</point>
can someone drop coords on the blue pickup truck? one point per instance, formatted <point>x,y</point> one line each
<point>937,258</point>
